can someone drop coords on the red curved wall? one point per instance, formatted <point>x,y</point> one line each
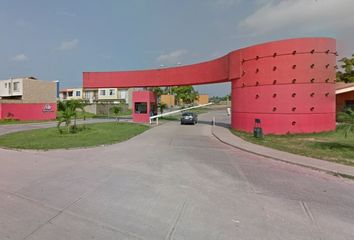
<point>288,84</point>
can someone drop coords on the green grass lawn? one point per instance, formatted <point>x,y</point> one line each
<point>89,135</point>
<point>12,121</point>
<point>80,114</point>
<point>330,146</point>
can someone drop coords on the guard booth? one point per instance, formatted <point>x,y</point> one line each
<point>144,106</point>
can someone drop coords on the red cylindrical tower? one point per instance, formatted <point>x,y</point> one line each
<point>288,85</point>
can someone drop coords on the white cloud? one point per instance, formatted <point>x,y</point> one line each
<point>305,15</point>
<point>19,57</point>
<point>67,45</point>
<point>172,57</point>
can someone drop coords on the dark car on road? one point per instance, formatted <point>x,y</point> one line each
<point>189,118</point>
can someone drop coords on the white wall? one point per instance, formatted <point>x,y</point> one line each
<point>74,90</point>
<point>7,87</point>
<point>107,94</point>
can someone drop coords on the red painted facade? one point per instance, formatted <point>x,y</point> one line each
<point>28,111</point>
<point>148,98</point>
<point>288,84</point>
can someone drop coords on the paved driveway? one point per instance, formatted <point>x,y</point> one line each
<point>171,182</point>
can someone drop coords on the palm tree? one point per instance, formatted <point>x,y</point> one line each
<point>162,106</point>
<point>69,110</point>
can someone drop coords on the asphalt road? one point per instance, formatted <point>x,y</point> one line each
<point>171,182</point>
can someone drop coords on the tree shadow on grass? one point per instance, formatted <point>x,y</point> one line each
<point>334,146</point>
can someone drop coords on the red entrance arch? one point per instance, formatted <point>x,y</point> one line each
<point>288,84</point>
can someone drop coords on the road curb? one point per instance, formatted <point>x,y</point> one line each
<point>331,172</point>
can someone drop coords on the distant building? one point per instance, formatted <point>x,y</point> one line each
<point>202,99</point>
<point>111,94</point>
<point>28,98</point>
<point>98,95</point>
<point>168,99</point>
<point>70,93</point>
<point>344,95</point>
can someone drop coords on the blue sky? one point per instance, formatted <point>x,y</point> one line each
<point>58,40</point>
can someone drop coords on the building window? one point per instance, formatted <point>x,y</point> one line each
<point>112,92</point>
<point>141,107</point>
<point>103,92</point>
<point>87,94</point>
<point>6,85</point>
<point>16,86</point>
<point>78,93</point>
<point>123,94</point>
<point>70,94</point>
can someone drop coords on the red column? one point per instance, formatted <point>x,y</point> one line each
<point>289,85</point>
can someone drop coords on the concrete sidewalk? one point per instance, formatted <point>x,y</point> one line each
<point>225,136</point>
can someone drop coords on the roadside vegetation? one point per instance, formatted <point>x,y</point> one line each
<point>85,136</point>
<point>69,111</point>
<point>68,134</point>
<point>15,121</point>
<point>336,146</point>
<point>346,73</point>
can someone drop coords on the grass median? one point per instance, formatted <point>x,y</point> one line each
<point>89,135</point>
<point>330,146</point>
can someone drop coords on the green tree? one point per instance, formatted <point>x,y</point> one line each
<point>157,91</point>
<point>347,75</point>
<point>162,106</point>
<point>69,110</point>
<point>185,93</point>
<point>116,110</point>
